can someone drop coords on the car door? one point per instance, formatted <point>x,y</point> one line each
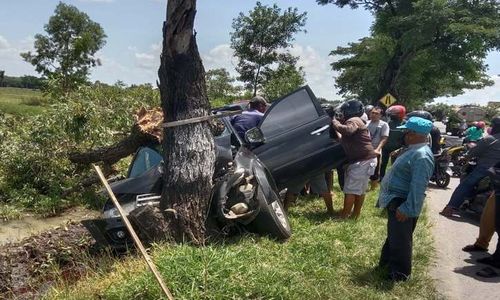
<point>297,141</point>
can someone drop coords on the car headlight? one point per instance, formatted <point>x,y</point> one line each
<point>111,213</point>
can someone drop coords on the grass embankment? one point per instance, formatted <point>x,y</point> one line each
<point>17,101</point>
<point>324,259</point>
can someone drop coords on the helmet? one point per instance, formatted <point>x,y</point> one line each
<point>474,123</point>
<point>352,108</point>
<point>368,109</point>
<point>396,111</point>
<point>480,124</point>
<point>420,113</point>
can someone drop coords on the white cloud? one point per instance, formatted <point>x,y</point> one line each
<point>107,1</point>
<point>319,75</point>
<point>149,60</point>
<point>4,44</point>
<point>482,96</point>
<point>222,56</point>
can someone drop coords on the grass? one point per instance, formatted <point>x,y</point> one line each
<point>17,101</point>
<point>324,259</point>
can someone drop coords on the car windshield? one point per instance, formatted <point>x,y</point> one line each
<point>144,160</point>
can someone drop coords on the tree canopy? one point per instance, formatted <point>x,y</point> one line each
<point>419,50</point>
<point>285,79</point>
<point>219,84</point>
<point>67,52</point>
<point>260,41</point>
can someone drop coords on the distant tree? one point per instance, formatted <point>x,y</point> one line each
<point>66,54</point>
<point>219,84</point>
<point>2,75</point>
<point>419,49</point>
<point>261,39</point>
<point>286,78</point>
<point>440,110</point>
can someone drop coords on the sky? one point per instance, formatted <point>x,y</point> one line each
<point>133,44</point>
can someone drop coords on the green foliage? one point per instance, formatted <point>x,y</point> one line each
<point>419,50</point>
<point>34,169</point>
<point>26,82</point>
<point>22,102</point>
<point>440,110</point>
<point>66,54</point>
<point>285,79</point>
<point>324,259</point>
<point>261,38</point>
<point>220,85</point>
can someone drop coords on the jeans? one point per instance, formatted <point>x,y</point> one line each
<point>466,187</point>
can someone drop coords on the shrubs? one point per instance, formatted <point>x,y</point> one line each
<point>34,170</point>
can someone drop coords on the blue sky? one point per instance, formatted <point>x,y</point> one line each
<point>133,27</point>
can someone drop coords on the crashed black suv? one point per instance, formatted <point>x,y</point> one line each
<point>291,144</point>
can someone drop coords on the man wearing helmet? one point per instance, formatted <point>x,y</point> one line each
<point>475,132</point>
<point>361,157</point>
<point>435,132</point>
<point>487,152</point>
<point>396,114</point>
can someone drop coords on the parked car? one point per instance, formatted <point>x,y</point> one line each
<point>291,144</point>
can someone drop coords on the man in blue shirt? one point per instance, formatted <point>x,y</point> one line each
<point>250,118</point>
<point>402,193</point>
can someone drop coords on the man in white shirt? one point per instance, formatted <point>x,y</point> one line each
<point>379,132</point>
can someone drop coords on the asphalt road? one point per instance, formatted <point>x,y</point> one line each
<point>453,269</point>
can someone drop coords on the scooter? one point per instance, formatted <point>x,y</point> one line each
<point>482,191</point>
<point>442,171</point>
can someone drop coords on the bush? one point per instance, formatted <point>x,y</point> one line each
<point>34,150</point>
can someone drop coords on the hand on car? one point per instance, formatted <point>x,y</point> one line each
<point>401,217</point>
<point>335,122</point>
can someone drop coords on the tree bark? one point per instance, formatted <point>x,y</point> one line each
<point>189,151</point>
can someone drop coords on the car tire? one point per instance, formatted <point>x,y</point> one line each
<point>443,180</point>
<point>272,219</point>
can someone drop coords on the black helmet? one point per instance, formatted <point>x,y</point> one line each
<point>352,108</point>
<point>420,113</point>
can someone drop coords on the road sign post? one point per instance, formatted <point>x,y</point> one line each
<point>388,100</point>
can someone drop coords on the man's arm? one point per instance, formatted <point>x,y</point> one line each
<point>481,146</point>
<point>346,130</point>
<point>421,171</point>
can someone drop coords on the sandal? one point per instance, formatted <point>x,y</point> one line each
<point>487,273</point>
<point>448,212</point>
<point>474,248</point>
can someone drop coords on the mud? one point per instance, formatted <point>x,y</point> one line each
<point>29,267</point>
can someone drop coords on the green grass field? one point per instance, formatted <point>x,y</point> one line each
<point>17,101</point>
<point>325,259</point>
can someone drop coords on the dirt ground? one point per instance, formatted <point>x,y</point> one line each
<point>29,267</point>
<point>454,269</point>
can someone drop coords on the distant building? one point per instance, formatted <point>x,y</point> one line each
<point>471,113</point>
<point>495,104</point>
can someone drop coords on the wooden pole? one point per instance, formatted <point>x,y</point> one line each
<point>136,239</point>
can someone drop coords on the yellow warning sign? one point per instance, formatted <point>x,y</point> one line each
<point>388,100</point>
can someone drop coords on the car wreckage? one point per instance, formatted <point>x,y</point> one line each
<point>291,144</point>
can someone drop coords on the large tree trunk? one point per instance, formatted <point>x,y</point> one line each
<point>189,151</point>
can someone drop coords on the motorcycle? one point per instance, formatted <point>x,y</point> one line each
<point>442,171</point>
<point>457,158</point>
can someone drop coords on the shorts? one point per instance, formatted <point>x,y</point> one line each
<point>318,185</point>
<point>357,175</point>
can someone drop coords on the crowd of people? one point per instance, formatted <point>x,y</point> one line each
<point>370,142</point>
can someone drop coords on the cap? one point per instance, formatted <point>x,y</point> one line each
<point>417,124</point>
<point>259,99</point>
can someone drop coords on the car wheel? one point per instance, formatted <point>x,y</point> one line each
<point>443,180</point>
<point>272,219</point>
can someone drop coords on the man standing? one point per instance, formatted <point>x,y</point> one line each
<point>250,118</point>
<point>379,132</point>
<point>396,114</point>
<point>361,159</point>
<point>402,193</point>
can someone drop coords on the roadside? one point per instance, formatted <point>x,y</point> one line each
<point>453,269</point>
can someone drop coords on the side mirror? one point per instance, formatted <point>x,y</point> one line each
<point>254,135</point>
